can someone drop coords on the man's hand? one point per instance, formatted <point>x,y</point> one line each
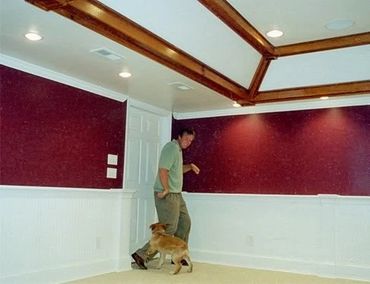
<point>162,194</point>
<point>194,168</point>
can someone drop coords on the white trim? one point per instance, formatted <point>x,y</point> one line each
<point>253,262</point>
<point>345,101</point>
<point>71,272</point>
<point>238,196</point>
<point>322,269</point>
<point>59,77</point>
<point>55,189</point>
<point>125,148</point>
<point>147,107</point>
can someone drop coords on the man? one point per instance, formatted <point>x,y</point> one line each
<point>169,203</point>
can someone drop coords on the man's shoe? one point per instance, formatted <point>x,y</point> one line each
<point>139,261</point>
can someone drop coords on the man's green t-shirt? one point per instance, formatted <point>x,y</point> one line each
<point>171,159</point>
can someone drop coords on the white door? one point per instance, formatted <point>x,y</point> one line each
<point>146,134</point>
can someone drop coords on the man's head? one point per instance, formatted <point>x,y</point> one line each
<point>185,137</point>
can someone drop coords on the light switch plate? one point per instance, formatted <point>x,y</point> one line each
<point>111,173</point>
<point>112,159</point>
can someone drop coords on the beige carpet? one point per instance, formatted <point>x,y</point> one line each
<point>209,273</point>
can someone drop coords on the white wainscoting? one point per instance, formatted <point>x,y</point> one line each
<point>325,235</point>
<point>53,235</point>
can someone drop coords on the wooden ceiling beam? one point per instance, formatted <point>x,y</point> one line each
<point>49,5</point>
<point>348,88</point>
<point>324,44</point>
<point>258,77</point>
<point>109,23</point>
<point>102,19</point>
<point>232,18</point>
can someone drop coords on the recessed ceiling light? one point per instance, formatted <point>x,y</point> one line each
<point>125,74</point>
<point>339,24</point>
<point>33,36</point>
<point>274,33</point>
<point>236,104</point>
<point>324,98</point>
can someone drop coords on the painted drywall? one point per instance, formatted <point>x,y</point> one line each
<point>299,152</point>
<point>56,135</point>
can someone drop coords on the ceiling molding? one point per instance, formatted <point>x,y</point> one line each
<point>109,23</point>
<point>61,78</point>
<point>258,77</point>
<point>324,44</point>
<point>232,18</point>
<point>148,108</point>
<point>359,87</point>
<point>104,20</point>
<point>340,101</point>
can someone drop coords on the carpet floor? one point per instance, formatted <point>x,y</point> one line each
<point>209,273</point>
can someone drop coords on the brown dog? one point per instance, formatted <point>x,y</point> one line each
<point>167,244</point>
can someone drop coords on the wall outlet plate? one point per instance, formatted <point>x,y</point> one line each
<point>112,159</point>
<point>111,173</point>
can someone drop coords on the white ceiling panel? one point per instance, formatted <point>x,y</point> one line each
<point>303,21</point>
<point>335,66</point>
<point>194,29</point>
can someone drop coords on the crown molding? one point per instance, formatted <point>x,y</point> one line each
<point>59,77</point>
<point>309,104</point>
<point>147,107</point>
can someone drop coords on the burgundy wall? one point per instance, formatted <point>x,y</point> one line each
<point>57,135</point>
<point>300,152</point>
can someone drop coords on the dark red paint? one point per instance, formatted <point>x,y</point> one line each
<point>56,135</point>
<point>299,152</point>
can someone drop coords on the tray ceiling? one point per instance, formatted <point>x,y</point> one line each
<point>218,48</point>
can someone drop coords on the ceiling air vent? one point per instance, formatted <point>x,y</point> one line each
<point>105,52</point>
<point>180,86</point>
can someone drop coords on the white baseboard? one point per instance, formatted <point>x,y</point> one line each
<point>123,264</point>
<point>69,273</point>
<point>353,272</point>
<point>279,264</point>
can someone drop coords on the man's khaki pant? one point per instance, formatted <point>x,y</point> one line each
<point>171,211</point>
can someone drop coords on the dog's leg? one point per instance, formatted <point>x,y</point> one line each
<point>177,262</point>
<point>188,260</point>
<point>151,250</point>
<point>161,260</point>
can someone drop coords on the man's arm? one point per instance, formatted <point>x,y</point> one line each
<point>163,177</point>
<point>190,167</point>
